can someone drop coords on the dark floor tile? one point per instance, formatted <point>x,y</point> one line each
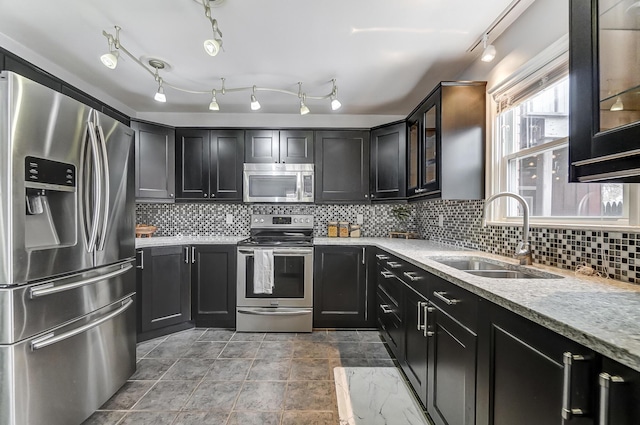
<point>104,418</point>
<point>254,418</point>
<point>188,369</point>
<point>167,395</point>
<point>217,335</point>
<point>245,350</point>
<point>307,349</point>
<point>148,418</point>
<point>310,369</point>
<point>381,363</point>
<point>369,336</point>
<point>215,396</point>
<point>144,348</point>
<point>275,350</point>
<point>188,335</point>
<point>312,336</point>
<point>277,336</point>
<point>346,350</point>
<point>128,395</point>
<point>343,336</point>
<point>152,369</point>
<point>229,370</point>
<point>377,351</point>
<point>169,350</point>
<point>309,418</point>
<point>248,336</point>
<point>261,395</point>
<point>269,370</point>
<point>201,418</point>
<point>349,362</point>
<point>205,349</point>
<point>310,395</point>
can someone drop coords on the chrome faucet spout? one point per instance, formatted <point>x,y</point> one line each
<point>523,251</point>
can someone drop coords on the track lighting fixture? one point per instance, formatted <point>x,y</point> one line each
<point>618,105</point>
<point>213,45</point>
<point>304,110</point>
<point>213,106</point>
<point>335,103</point>
<point>159,96</point>
<point>255,105</point>
<point>110,60</point>
<point>489,51</point>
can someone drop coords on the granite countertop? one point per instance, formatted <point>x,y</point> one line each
<point>601,314</point>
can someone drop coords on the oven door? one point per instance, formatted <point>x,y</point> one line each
<point>293,278</point>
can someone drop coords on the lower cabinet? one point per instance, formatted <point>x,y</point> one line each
<point>213,285</point>
<point>389,308</point>
<point>340,288</point>
<point>163,286</point>
<point>416,342</point>
<point>618,394</point>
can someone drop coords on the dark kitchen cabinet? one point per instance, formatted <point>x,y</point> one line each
<point>618,394</point>
<point>209,164</point>
<point>340,292</point>
<point>604,122</point>
<point>273,146</point>
<point>389,307</point>
<point>155,148</point>
<point>388,162</point>
<point>446,139</point>
<point>521,373</point>
<point>213,285</point>
<point>342,166</point>
<point>163,289</point>
<point>416,342</point>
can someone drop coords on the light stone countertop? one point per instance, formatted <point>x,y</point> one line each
<point>601,314</point>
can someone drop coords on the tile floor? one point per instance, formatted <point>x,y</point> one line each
<point>215,376</point>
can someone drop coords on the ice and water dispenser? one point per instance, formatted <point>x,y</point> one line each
<point>50,203</point>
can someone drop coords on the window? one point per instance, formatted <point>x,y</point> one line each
<point>531,153</point>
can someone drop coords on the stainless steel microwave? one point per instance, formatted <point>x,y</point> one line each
<point>278,183</point>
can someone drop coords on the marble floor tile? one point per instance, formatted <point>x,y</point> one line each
<point>201,418</point>
<point>310,395</point>
<point>229,370</point>
<point>166,396</point>
<point>188,369</point>
<point>246,350</point>
<point>215,396</point>
<point>275,350</point>
<point>104,418</point>
<point>148,418</point>
<point>151,369</point>
<point>254,418</point>
<point>248,336</point>
<point>205,349</point>
<point>310,370</point>
<point>261,396</point>
<point>128,395</point>
<point>269,370</point>
<point>280,336</point>
<point>216,335</point>
<point>294,417</point>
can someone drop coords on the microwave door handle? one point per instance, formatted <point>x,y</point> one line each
<point>105,186</point>
<point>97,186</point>
<point>300,188</point>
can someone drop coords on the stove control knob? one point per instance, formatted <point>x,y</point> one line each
<point>255,220</point>
<point>295,220</point>
<point>262,220</point>
<point>308,221</point>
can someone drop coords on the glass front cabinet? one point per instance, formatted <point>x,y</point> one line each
<point>604,69</point>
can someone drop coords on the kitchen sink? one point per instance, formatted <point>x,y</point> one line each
<point>493,269</point>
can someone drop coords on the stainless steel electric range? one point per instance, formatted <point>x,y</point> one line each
<point>275,275</point>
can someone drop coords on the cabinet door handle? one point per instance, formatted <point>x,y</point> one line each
<point>186,254</point>
<point>567,411</point>
<point>193,255</point>
<point>419,325</point>
<point>393,264</point>
<point>605,380</point>
<point>363,255</point>
<point>385,308</point>
<point>141,266</point>
<point>381,257</point>
<point>425,330</point>
<point>412,276</point>
<point>448,301</point>
<point>386,274</point>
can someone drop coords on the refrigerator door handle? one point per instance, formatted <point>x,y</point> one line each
<point>97,187</point>
<point>105,186</point>
<point>47,288</point>
<point>50,339</point>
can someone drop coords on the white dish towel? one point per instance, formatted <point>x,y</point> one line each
<point>263,271</point>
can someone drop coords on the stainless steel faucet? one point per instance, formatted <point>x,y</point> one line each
<point>523,251</point>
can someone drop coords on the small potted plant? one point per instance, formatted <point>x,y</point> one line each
<point>401,213</point>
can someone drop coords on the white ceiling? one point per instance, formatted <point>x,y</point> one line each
<point>385,55</point>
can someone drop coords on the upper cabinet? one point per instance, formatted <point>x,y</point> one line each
<point>388,162</point>
<point>209,164</point>
<point>445,147</point>
<point>342,166</point>
<point>155,162</point>
<point>273,146</point>
<point>604,123</point>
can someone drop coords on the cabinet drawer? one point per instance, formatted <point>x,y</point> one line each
<point>389,283</point>
<point>458,303</point>
<point>390,324</point>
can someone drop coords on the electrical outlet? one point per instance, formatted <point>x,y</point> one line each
<point>441,220</point>
<point>359,219</point>
<point>229,219</point>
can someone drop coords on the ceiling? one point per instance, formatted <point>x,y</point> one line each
<point>385,55</point>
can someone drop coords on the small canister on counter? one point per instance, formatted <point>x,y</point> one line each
<point>344,229</point>
<point>332,229</point>
<point>355,232</point>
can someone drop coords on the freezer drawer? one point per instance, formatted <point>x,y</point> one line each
<point>62,376</point>
<point>31,309</point>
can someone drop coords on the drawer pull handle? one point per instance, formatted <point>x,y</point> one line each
<point>605,380</point>
<point>385,309</point>
<point>393,264</point>
<point>386,274</point>
<point>567,411</point>
<point>413,276</point>
<point>382,257</point>
<point>448,301</point>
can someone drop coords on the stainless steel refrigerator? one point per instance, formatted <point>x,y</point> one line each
<point>67,274</point>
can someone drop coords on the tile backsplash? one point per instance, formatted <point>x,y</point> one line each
<point>610,252</point>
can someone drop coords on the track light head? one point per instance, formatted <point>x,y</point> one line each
<point>160,96</point>
<point>212,46</point>
<point>255,105</point>
<point>110,60</point>
<point>304,110</point>
<point>213,106</point>
<point>335,104</point>
<point>489,51</point>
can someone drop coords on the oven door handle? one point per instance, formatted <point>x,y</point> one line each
<point>280,252</point>
<point>275,313</point>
